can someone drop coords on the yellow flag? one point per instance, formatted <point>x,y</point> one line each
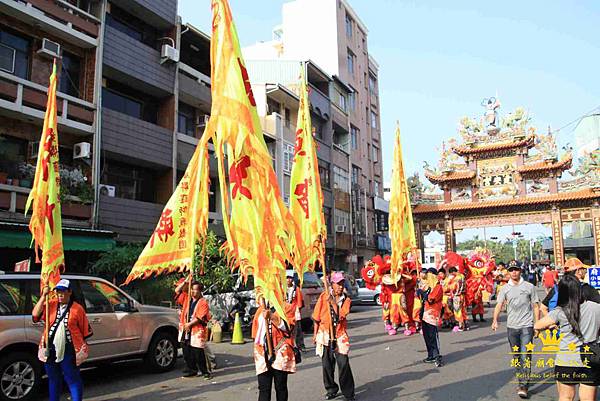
<point>183,222</point>
<point>401,226</point>
<point>306,196</point>
<point>46,224</point>
<point>261,235</point>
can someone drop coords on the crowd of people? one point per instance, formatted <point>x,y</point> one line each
<point>419,302</point>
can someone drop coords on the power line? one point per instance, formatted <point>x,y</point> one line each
<point>577,120</point>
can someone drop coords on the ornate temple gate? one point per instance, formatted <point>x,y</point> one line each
<point>506,174</point>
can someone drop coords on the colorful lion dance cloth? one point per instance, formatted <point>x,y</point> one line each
<point>397,298</point>
<point>477,268</point>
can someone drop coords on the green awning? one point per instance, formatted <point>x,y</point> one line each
<point>22,239</point>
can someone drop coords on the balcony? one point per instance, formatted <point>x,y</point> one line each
<point>26,100</point>
<point>135,64</point>
<point>194,87</point>
<point>342,200</point>
<point>273,127</point>
<point>129,137</point>
<point>340,118</point>
<point>160,13</point>
<point>133,220</point>
<point>343,241</point>
<point>56,17</point>
<point>12,207</point>
<point>319,102</point>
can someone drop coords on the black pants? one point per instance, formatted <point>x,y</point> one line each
<point>265,384</point>
<point>329,360</point>
<point>432,341</point>
<point>194,358</point>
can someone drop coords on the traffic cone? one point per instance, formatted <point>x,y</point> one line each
<point>238,337</point>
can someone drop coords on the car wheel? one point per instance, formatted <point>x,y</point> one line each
<point>377,299</point>
<point>20,377</point>
<point>162,352</point>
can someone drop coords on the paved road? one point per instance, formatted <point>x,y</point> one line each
<point>385,368</point>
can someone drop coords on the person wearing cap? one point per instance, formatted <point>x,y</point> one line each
<point>331,338</point>
<point>577,268</point>
<point>193,329</point>
<point>431,293</point>
<point>294,298</point>
<point>522,307</point>
<point>270,331</point>
<point>68,330</point>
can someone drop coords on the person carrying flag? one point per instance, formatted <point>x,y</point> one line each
<point>66,348</point>
<point>331,337</point>
<point>294,298</point>
<point>274,357</point>
<point>193,330</point>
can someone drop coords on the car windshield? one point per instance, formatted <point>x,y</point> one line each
<point>311,280</point>
<point>361,283</point>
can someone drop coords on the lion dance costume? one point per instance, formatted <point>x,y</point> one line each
<point>477,268</point>
<point>397,298</point>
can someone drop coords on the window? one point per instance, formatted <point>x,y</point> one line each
<point>340,178</point>
<point>354,134</point>
<point>12,152</point>
<point>186,121</point>
<point>373,120</point>
<point>324,174</point>
<point>348,26</point>
<point>69,74</point>
<point>372,84</point>
<point>131,182</point>
<point>12,297</point>
<point>288,157</point>
<point>327,215</point>
<point>14,54</point>
<point>355,175</point>
<point>272,106</point>
<point>351,58</point>
<point>288,116</point>
<point>375,154</point>
<point>341,100</point>
<point>127,101</point>
<point>94,300</point>
<point>117,301</point>
<point>133,27</point>
<point>317,127</point>
<point>376,188</point>
<point>342,218</point>
<point>352,101</point>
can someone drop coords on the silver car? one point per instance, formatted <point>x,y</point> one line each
<point>366,295</point>
<point>123,329</point>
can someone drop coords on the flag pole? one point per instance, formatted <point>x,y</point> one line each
<point>46,324</point>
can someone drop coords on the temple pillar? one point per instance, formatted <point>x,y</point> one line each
<point>449,234</point>
<point>420,241</point>
<point>596,228</point>
<point>557,236</point>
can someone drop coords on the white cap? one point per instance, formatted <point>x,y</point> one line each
<point>63,285</point>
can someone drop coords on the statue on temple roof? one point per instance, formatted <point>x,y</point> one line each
<point>491,115</point>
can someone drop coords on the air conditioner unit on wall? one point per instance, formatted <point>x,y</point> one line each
<point>202,120</point>
<point>107,190</point>
<point>340,228</point>
<point>169,53</point>
<point>82,150</point>
<point>49,49</point>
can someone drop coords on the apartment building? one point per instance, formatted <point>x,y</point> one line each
<point>275,87</point>
<point>337,42</point>
<point>133,96</point>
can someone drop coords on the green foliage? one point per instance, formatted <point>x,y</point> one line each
<point>504,251</point>
<point>415,188</point>
<point>115,265</point>
<point>217,274</point>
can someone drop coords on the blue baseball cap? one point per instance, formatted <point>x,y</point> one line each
<point>63,285</point>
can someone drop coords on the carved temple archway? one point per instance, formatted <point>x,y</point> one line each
<point>505,173</point>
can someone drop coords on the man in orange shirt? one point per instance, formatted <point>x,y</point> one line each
<point>294,298</point>
<point>550,278</point>
<point>331,337</point>
<point>193,330</point>
<point>431,294</point>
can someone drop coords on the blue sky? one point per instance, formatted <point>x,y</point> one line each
<point>438,60</point>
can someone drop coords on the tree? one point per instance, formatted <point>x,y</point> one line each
<point>415,188</point>
<point>217,273</point>
<point>115,265</point>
